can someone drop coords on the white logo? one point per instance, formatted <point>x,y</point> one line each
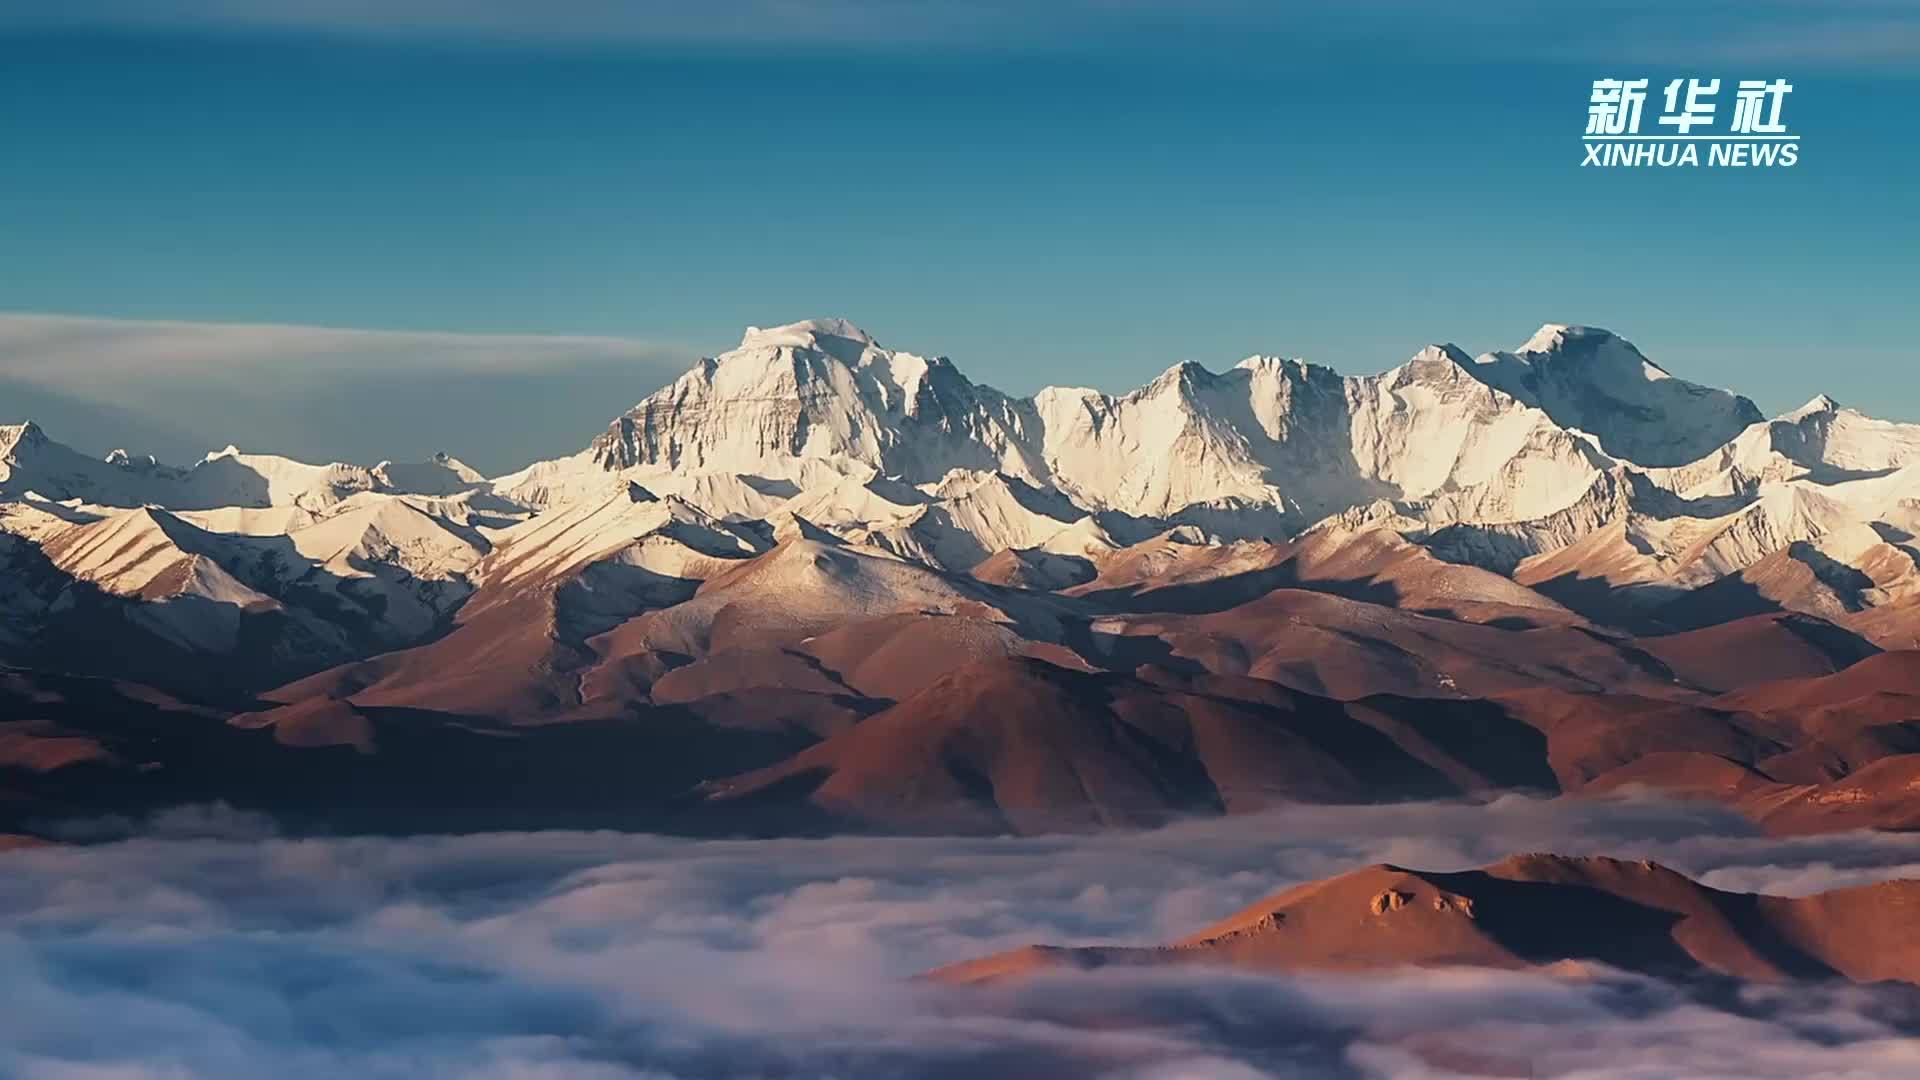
<point>1755,134</point>
<point>1748,101</point>
<point>1616,106</point>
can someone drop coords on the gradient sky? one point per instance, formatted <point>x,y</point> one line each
<point>1074,193</point>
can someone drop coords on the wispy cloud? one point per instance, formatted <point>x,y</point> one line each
<point>734,21</point>
<point>209,946</point>
<point>501,400</point>
<point>52,348</point>
<point>1793,36</point>
<point>1878,33</point>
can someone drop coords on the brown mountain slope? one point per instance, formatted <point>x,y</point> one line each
<point>1016,743</point>
<point>1884,794</point>
<point>1336,647</point>
<point>563,630</point>
<point>1893,625</point>
<point>1839,722</point>
<point>897,656</point>
<point>1891,673</point>
<point>1589,734</point>
<point>1755,649</point>
<point>803,618</point>
<point>1605,576</point>
<point>1375,565</point>
<point>1799,755</point>
<point>509,660</point>
<point>77,747</point>
<point>1533,911</point>
<point>1041,571</point>
<point>949,702</point>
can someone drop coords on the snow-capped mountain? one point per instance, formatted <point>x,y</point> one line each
<point>1573,465</point>
<point>1574,453</point>
<point>1268,446</point>
<point>31,462</point>
<point>1590,380</point>
<point>822,390</point>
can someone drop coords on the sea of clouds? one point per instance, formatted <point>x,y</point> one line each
<point>205,944</point>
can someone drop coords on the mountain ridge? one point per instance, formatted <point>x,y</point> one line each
<point>1198,563</point>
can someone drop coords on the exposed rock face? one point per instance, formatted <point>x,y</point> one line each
<point>1392,900</point>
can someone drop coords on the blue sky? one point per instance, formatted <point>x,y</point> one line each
<point>1069,193</point>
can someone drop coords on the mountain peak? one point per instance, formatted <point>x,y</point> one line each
<point>1557,337</point>
<point>817,391</point>
<point>1184,372</point>
<point>1446,363</point>
<point>1595,381</point>
<point>125,459</point>
<point>1269,362</point>
<point>1590,347</point>
<point>1820,404</point>
<point>805,334</point>
<point>1444,352</point>
<point>820,397</point>
<point>13,436</point>
<point>812,352</point>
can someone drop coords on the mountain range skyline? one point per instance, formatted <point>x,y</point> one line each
<point>1065,193</point>
<point>1570,479</point>
<point>66,372</point>
<point>819,584</point>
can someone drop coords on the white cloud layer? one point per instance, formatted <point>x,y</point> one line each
<point>209,947</point>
